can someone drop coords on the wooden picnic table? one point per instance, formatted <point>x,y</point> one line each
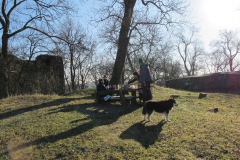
<point>122,95</point>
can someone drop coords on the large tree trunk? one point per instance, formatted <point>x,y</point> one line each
<point>4,79</point>
<point>123,42</point>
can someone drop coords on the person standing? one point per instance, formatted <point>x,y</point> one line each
<point>146,80</point>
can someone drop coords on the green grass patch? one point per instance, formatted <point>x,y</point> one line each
<point>75,127</point>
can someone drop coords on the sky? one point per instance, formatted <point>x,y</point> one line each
<point>211,16</point>
<point>215,15</point>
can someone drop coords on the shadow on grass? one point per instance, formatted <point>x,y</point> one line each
<point>146,135</point>
<point>98,114</point>
<point>35,107</point>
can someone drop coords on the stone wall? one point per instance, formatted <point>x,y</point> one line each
<point>44,75</point>
<point>216,82</point>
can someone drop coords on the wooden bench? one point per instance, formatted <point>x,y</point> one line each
<point>118,98</point>
<point>116,95</point>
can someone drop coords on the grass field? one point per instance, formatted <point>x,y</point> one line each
<point>75,127</point>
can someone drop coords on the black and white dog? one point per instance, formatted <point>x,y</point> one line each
<point>164,107</point>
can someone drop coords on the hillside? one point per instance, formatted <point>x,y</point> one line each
<point>75,127</point>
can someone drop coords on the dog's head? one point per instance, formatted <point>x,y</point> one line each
<point>173,101</point>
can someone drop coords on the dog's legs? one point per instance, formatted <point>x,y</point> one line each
<point>144,112</point>
<point>166,116</point>
<point>149,117</point>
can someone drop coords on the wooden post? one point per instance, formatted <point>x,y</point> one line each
<point>202,95</point>
<point>122,96</point>
<point>134,101</point>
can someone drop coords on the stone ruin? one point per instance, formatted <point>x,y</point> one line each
<point>225,82</point>
<point>44,75</point>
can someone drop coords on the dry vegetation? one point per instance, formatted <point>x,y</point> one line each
<point>75,127</point>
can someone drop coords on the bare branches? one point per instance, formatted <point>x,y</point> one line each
<point>13,7</point>
<point>76,48</point>
<point>25,27</point>
<point>153,3</point>
<point>227,47</point>
<point>3,9</point>
<point>110,16</point>
<point>2,21</point>
<point>190,49</point>
<point>31,15</point>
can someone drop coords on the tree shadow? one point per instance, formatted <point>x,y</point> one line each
<point>146,135</point>
<point>98,114</point>
<point>36,107</point>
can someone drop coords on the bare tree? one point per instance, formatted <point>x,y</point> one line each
<point>77,49</point>
<point>163,67</point>
<point>216,62</point>
<point>99,67</point>
<point>227,47</point>
<point>19,15</point>
<point>164,17</point>
<point>189,49</point>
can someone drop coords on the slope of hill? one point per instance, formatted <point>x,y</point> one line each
<point>75,127</point>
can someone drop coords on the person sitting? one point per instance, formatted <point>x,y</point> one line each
<point>101,86</point>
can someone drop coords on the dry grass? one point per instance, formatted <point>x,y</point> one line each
<point>75,127</point>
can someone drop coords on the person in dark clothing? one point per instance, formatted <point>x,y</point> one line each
<point>137,78</point>
<point>106,82</point>
<point>145,80</point>
<point>100,86</point>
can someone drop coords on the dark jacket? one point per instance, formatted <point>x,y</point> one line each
<point>145,73</point>
<point>106,82</point>
<point>101,87</point>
